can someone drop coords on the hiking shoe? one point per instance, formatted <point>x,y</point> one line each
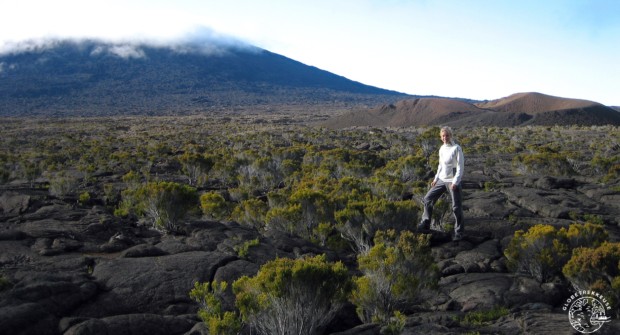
<point>457,237</point>
<point>423,227</point>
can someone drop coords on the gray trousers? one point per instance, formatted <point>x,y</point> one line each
<point>457,204</point>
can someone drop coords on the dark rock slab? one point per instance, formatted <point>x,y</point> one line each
<point>526,290</point>
<point>150,284</point>
<point>27,318</point>
<point>491,204</point>
<point>546,203</point>
<point>365,329</point>
<point>477,290</point>
<point>13,204</point>
<point>151,324</point>
<point>33,307</point>
<point>143,250</point>
<point>548,182</point>
<point>479,257</point>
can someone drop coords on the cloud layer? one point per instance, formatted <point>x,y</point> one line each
<point>202,40</point>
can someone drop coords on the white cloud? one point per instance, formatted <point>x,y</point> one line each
<point>26,45</point>
<point>127,51</point>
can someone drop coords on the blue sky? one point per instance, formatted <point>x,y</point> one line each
<point>478,49</point>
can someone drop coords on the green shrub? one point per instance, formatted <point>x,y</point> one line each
<point>394,271</point>
<point>442,207</point>
<point>111,194</point>
<point>209,297</point>
<point>597,269</point>
<point>359,221</point>
<point>322,232</point>
<point>30,169</point>
<point>543,250</point>
<point>214,205</point>
<point>395,325</point>
<point>588,234</point>
<point>251,212</point>
<point>489,186</point>
<point>289,296</point>
<point>285,219</point>
<point>553,163</point>
<point>84,198</point>
<point>244,248</point>
<point>608,166</point>
<point>195,167</point>
<point>165,204</point>
<point>5,284</point>
<point>62,185</point>
<point>315,208</point>
<point>593,218</point>
<point>481,318</point>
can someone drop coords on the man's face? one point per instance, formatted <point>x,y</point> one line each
<point>445,137</point>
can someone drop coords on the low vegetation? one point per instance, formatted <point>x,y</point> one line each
<point>480,318</point>
<point>596,268</point>
<point>395,270</point>
<point>355,191</point>
<point>543,250</point>
<point>285,297</point>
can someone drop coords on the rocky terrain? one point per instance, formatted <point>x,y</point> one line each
<point>70,266</point>
<point>79,270</point>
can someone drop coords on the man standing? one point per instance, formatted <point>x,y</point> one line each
<point>448,178</point>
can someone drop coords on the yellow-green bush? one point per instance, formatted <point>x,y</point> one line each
<point>596,268</point>
<point>62,185</point>
<point>285,219</point>
<point>214,205</point>
<point>359,221</point>
<point>195,167</point>
<point>84,198</point>
<point>289,296</point>
<point>543,250</point>
<point>243,249</point>
<point>251,212</point>
<point>165,204</point>
<point>588,234</point>
<point>480,318</point>
<point>553,163</point>
<point>209,297</point>
<point>394,272</point>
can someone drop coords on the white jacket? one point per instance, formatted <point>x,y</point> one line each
<point>451,164</point>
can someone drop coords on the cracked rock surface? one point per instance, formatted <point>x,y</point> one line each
<point>75,269</point>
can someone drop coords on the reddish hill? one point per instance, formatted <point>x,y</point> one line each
<point>515,110</point>
<point>534,103</point>
<point>422,111</point>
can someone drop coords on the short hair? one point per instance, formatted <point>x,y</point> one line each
<point>448,130</point>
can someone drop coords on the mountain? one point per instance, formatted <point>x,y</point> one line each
<point>534,103</point>
<point>516,110</point>
<point>91,78</point>
<point>421,111</point>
